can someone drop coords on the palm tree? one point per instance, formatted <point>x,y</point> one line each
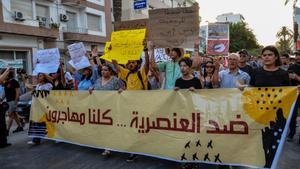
<point>285,36</point>
<point>294,21</point>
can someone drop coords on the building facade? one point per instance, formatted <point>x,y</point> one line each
<point>230,17</point>
<point>30,25</point>
<point>129,13</point>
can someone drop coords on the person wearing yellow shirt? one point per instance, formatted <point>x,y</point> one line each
<point>133,75</point>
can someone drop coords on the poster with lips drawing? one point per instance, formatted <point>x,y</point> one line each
<point>217,47</point>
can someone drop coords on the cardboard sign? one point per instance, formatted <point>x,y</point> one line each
<point>132,24</point>
<point>174,27</point>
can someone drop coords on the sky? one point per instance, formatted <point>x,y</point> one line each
<point>264,17</point>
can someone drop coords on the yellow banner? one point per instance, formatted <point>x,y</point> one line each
<point>213,126</point>
<point>127,45</point>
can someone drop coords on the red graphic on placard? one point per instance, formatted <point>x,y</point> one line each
<point>217,47</point>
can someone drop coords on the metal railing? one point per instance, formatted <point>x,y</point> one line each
<point>75,30</point>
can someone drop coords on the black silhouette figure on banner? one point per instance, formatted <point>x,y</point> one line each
<point>271,137</point>
<point>183,157</point>
<point>209,145</point>
<point>217,158</point>
<point>187,145</point>
<point>195,157</point>
<point>206,157</point>
<point>198,143</point>
<point>42,93</point>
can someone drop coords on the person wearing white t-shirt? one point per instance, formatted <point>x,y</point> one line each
<point>43,84</point>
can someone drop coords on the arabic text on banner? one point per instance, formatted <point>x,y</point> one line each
<point>217,126</point>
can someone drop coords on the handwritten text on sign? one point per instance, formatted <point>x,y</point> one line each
<point>47,61</point>
<point>174,27</point>
<point>78,59</point>
<point>182,126</point>
<point>127,45</point>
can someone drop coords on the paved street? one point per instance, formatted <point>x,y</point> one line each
<point>51,155</point>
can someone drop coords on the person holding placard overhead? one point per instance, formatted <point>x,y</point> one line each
<point>135,78</point>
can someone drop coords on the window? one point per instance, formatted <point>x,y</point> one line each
<point>42,11</point>
<point>94,22</point>
<point>24,6</point>
<point>72,22</point>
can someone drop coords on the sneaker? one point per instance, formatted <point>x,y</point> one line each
<point>5,145</point>
<point>33,143</point>
<point>131,158</point>
<point>106,153</point>
<point>19,129</point>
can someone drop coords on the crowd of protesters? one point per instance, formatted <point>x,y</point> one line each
<point>238,70</point>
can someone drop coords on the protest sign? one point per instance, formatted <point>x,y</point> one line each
<point>127,45</point>
<point>47,61</point>
<point>218,31</point>
<point>160,55</point>
<point>215,126</point>
<point>78,59</point>
<point>17,64</point>
<point>106,55</point>
<point>217,47</point>
<point>174,27</point>
<point>132,24</point>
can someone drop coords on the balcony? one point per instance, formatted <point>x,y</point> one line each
<point>81,34</point>
<point>75,3</point>
<point>75,30</point>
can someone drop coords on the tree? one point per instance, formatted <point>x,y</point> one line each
<point>285,39</point>
<point>242,37</point>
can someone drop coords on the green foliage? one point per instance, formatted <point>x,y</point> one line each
<point>285,40</point>
<point>242,37</point>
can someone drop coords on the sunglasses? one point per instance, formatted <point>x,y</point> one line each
<point>209,66</point>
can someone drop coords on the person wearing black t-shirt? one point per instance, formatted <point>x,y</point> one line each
<point>270,75</point>
<point>187,81</point>
<point>294,73</point>
<point>243,63</point>
<point>12,93</point>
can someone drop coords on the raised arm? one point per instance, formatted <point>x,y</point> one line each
<point>216,78</point>
<point>4,75</point>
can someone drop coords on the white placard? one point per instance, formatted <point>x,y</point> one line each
<point>78,59</point>
<point>160,55</point>
<point>47,61</point>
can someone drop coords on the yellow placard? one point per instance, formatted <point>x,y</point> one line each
<point>217,126</point>
<point>127,45</point>
<point>187,55</point>
<point>107,55</point>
